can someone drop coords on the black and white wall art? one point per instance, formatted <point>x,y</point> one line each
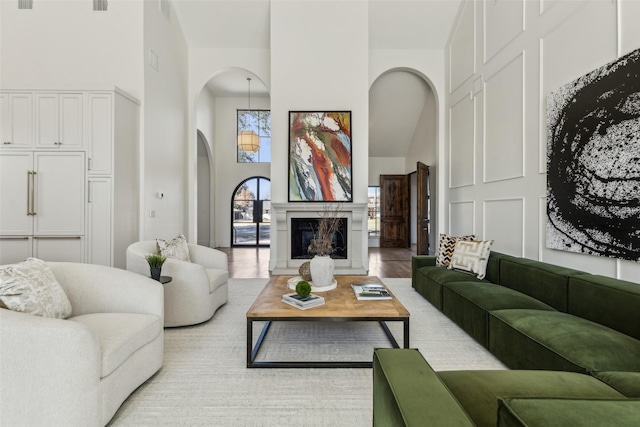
<point>593,162</point>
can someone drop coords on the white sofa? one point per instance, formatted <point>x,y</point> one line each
<point>78,371</point>
<point>197,289</point>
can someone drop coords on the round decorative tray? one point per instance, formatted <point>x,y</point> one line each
<point>291,283</point>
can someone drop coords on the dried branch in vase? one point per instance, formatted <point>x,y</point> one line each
<point>330,219</point>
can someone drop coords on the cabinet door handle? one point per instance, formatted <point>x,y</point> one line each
<point>89,162</point>
<point>58,237</point>
<point>89,192</point>
<point>28,192</point>
<point>33,192</point>
<point>7,142</point>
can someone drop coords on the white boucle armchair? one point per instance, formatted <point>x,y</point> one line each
<point>78,371</point>
<point>197,289</point>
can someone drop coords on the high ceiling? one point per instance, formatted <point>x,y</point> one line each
<point>393,24</point>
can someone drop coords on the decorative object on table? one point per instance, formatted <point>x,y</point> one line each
<point>593,174</point>
<point>155,265</point>
<point>303,288</point>
<point>303,303</point>
<point>322,265</point>
<point>370,291</point>
<point>176,248</point>
<point>291,284</point>
<point>305,271</point>
<point>320,156</point>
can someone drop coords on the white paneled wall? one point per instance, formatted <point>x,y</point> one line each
<point>461,218</point>
<point>504,122</point>
<point>504,58</point>
<point>462,146</point>
<point>504,222</point>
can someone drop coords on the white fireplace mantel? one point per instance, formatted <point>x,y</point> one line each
<point>356,215</point>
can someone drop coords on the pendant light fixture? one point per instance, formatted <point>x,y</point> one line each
<point>248,140</point>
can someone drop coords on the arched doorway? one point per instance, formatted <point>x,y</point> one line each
<point>204,192</point>
<point>251,213</point>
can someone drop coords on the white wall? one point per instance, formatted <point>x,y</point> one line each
<point>66,45</point>
<point>495,146</point>
<point>165,127</point>
<point>319,61</point>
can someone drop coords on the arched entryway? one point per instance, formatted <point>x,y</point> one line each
<point>251,213</point>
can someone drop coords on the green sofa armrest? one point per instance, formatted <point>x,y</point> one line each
<point>419,261</point>
<point>407,392</point>
<point>561,412</point>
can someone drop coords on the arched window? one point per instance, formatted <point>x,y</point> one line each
<point>251,213</point>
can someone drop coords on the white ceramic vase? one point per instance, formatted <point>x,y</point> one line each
<point>322,267</point>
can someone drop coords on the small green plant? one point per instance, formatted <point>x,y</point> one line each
<point>155,260</point>
<point>303,288</point>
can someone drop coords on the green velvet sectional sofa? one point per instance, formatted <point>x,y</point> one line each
<point>571,339</point>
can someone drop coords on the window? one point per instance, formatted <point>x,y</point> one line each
<point>373,218</point>
<point>251,207</point>
<point>254,129</point>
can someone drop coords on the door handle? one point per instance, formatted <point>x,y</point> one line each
<point>28,192</point>
<point>33,193</point>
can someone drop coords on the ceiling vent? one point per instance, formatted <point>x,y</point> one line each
<point>25,4</point>
<point>165,9</point>
<point>100,5</point>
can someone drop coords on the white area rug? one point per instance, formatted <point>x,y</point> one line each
<point>204,380</point>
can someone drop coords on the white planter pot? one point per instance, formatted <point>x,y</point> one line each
<point>322,270</point>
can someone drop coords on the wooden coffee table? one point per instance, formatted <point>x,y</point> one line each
<point>341,305</point>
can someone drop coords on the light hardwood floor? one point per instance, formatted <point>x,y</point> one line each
<point>383,262</point>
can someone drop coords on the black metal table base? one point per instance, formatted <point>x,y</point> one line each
<point>252,350</point>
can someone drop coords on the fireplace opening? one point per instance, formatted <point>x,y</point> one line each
<point>302,232</point>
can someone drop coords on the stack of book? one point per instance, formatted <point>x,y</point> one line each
<point>303,303</point>
<point>371,291</point>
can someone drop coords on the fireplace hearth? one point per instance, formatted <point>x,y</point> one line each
<point>302,232</point>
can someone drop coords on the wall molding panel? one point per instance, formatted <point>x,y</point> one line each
<point>503,21</point>
<point>462,53</point>
<point>503,221</point>
<point>462,144</point>
<point>504,138</point>
<point>462,216</point>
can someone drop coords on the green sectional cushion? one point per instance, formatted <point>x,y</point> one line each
<point>407,392</point>
<point>627,383</point>
<point>468,304</point>
<point>429,282</point>
<point>493,266</point>
<point>537,411</point>
<point>545,282</point>
<point>419,261</point>
<point>535,339</point>
<point>611,302</point>
<point>478,391</point>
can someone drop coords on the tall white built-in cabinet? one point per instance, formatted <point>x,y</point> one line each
<point>69,175</point>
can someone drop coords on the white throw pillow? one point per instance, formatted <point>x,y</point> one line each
<point>471,257</point>
<point>446,246</point>
<point>31,287</point>
<point>176,248</point>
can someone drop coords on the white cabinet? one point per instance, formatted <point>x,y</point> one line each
<point>42,210</point>
<point>59,120</point>
<point>99,226</point>
<point>69,175</point>
<point>100,133</point>
<point>59,193</point>
<point>15,249</point>
<point>16,120</point>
